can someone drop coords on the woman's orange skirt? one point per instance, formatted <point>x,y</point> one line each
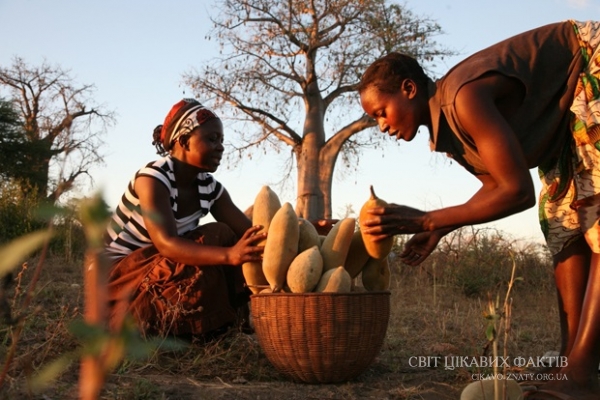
<point>165,297</point>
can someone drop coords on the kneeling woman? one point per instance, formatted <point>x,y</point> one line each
<point>171,274</point>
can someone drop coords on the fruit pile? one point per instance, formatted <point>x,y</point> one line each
<point>297,259</point>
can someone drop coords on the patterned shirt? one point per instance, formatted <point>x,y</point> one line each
<point>127,232</point>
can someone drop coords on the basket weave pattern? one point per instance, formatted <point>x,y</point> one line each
<point>321,337</point>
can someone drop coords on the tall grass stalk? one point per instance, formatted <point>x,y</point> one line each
<point>434,283</point>
<point>95,366</point>
<point>92,371</point>
<point>500,320</point>
<point>19,321</point>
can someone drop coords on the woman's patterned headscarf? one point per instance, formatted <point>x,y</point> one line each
<point>184,117</point>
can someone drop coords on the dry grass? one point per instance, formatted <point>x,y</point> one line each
<point>425,319</point>
<point>431,316</point>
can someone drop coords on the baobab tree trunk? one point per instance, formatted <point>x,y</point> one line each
<point>327,161</point>
<point>310,200</point>
<point>310,203</point>
<point>315,179</point>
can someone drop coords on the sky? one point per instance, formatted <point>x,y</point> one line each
<point>135,53</point>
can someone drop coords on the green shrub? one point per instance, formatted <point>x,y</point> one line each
<point>17,212</point>
<point>479,261</point>
<point>68,241</point>
<point>20,214</point>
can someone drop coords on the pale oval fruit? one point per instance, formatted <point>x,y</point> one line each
<point>266,204</point>
<point>308,235</point>
<point>337,243</point>
<point>249,211</point>
<point>357,255</point>
<point>281,246</point>
<point>484,389</point>
<point>376,275</point>
<point>321,239</point>
<point>254,276</point>
<point>335,280</point>
<point>305,271</point>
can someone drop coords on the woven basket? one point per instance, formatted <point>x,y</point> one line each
<point>321,337</point>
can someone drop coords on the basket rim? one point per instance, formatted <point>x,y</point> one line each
<point>323,294</point>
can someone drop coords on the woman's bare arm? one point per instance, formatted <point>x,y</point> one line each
<point>161,226</point>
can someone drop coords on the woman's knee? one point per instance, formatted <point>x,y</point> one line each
<point>214,234</point>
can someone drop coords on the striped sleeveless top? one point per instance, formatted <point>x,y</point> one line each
<point>127,232</point>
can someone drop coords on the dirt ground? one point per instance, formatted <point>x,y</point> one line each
<point>182,380</point>
<point>377,382</point>
<point>380,386</point>
<point>425,320</point>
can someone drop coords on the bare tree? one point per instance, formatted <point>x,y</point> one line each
<point>61,125</point>
<point>288,72</point>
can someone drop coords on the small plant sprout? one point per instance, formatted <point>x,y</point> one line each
<point>498,317</point>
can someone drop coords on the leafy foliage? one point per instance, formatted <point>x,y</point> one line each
<point>12,144</point>
<point>23,212</point>
<point>17,211</point>
<point>100,349</point>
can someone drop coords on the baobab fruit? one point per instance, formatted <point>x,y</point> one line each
<point>266,204</point>
<point>357,255</point>
<point>308,235</point>
<point>377,249</point>
<point>376,275</point>
<point>336,280</point>
<point>305,271</point>
<point>281,246</point>
<point>336,244</point>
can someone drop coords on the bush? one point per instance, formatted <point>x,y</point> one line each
<point>479,261</point>
<point>17,212</point>
<point>19,215</point>
<point>68,241</point>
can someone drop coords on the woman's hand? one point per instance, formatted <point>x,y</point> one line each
<point>419,247</point>
<point>245,250</point>
<point>392,220</point>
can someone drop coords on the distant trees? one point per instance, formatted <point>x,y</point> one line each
<point>12,144</point>
<point>288,73</point>
<point>479,261</point>
<point>50,132</point>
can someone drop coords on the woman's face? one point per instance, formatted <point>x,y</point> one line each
<point>398,114</point>
<point>205,146</point>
